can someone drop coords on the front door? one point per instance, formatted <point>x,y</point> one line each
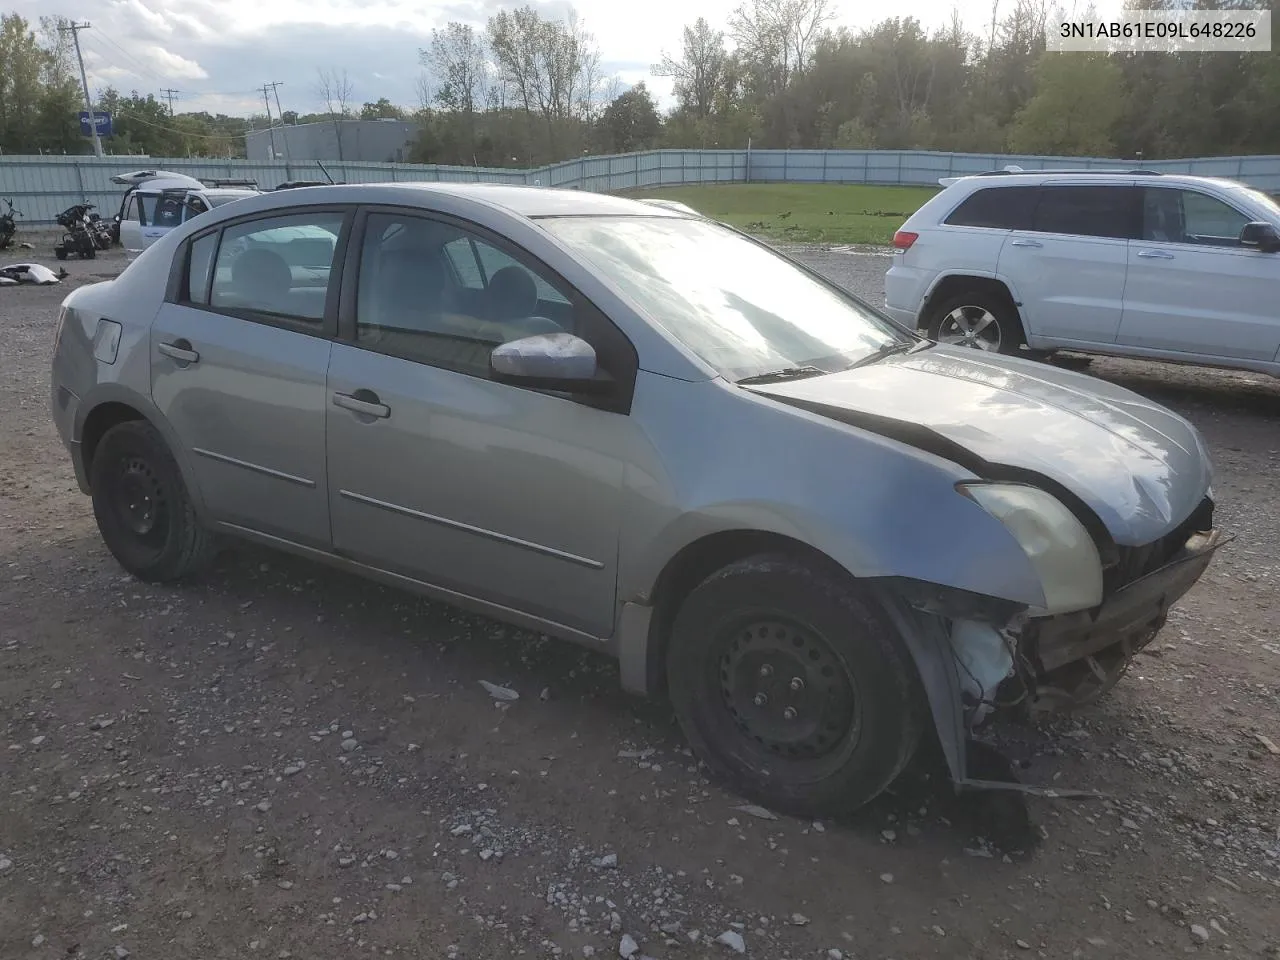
<point>1070,267</point>
<point>238,367</point>
<point>494,492</point>
<point>1192,288</point>
<point>131,226</point>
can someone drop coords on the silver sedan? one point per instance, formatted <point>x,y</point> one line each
<point>622,424</point>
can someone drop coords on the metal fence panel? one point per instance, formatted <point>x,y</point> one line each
<point>41,187</point>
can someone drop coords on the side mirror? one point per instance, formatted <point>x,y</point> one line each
<point>549,361</point>
<point>1260,235</point>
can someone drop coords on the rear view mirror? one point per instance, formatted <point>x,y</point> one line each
<point>548,361</point>
<point>1260,235</point>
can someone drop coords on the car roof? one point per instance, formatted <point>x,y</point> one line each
<point>525,201</point>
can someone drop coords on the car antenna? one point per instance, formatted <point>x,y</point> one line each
<point>320,164</point>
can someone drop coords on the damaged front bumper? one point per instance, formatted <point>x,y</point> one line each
<point>1072,659</point>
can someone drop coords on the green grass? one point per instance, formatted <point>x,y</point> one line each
<point>801,212</point>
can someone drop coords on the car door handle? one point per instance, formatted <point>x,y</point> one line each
<point>179,350</point>
<point>1155,254</point>
<point>369,405</point>
<point>1025,243</point>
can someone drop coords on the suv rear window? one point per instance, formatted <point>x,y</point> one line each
<point>1101,211</point>
<point>1003,208</point>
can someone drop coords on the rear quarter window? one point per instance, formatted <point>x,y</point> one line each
<point>1000,208</point>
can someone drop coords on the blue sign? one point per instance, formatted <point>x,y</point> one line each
<point>101,119</point>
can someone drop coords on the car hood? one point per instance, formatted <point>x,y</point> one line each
<point>1141,468</point>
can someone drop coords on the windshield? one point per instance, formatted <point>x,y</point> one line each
<point>744,310</point>
<point>1260,198</point>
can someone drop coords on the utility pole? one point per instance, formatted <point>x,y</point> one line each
<point>275,89</point>
<point>74,29</point>
<point>270,126</point>
<point>169,95</point>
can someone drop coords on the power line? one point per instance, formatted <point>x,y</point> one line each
<point>135,118</point>
<point>138,67</point>
<point>74,29</point>
<point>168,93</point>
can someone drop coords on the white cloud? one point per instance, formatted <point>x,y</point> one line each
<point>217,51</point>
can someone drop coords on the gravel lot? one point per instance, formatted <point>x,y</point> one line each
<point>280,760</point>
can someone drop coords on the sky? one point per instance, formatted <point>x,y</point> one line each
<point>216,52</point>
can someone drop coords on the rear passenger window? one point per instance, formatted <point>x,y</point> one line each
<point>1001,208</point>
<point>1101,211</point>
<point>278,267</point>
<point>199,267</point>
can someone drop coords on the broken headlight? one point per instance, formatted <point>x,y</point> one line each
<point>1059,547</point>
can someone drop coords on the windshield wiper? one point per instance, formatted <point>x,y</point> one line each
<point>902,346</point>
<point>786,373</point>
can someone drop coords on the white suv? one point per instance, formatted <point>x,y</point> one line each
<point>1132,263</point>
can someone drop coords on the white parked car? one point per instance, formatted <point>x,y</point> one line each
<point>158,201</point>
<point>1134,263</point>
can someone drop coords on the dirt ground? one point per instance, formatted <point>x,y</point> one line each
<point>283,761</point>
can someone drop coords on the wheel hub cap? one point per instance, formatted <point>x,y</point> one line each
<point>974,327</point>
<point>138,497</point>
<point>786,690</point>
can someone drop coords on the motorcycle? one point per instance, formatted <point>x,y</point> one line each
<point>8,224</point>
<point>79,238</point>
<point>101,229</point>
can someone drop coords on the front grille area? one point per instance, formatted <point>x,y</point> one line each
<point>1137,562</point>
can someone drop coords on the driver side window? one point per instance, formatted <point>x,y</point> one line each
<point>434,293</point>
<point>1187,216</point>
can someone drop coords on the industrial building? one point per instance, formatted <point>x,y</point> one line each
<point>370,141</point>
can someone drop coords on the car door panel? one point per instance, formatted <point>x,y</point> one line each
<point>502,494</point>
<point>1072,287</point>
<point>1072,264</point>
<point>1193,289</point>
<point>251,410</point>
<point>239,367</point>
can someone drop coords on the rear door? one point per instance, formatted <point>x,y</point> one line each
<point>1069,267</point>
<point>239,355</point>
<point>1193,288</point>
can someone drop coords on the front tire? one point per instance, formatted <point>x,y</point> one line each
<point>793,687</point>
<point>977,319</point>
<point>144,512</point>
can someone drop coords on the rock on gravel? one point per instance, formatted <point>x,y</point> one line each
<point>733,940</point>
<point>627,946</point>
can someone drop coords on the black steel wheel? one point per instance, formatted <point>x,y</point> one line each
<point>793,686</point>
<point>142,507</point>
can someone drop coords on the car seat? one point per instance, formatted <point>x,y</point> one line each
<point>261,280</point>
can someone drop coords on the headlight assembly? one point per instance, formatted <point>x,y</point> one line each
<point>1060,549</point>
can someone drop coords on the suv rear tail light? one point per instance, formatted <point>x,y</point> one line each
<point>903,239</point>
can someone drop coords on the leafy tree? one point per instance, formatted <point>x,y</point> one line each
<point>630,122</point>
<point>1078,100</point>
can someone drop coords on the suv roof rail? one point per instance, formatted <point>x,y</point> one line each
<point>1095,170</point>
<point>229,182</point>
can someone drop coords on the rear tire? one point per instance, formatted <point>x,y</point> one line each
<point>979,319</point>
<point>144,512</point>
<point>793,687</point>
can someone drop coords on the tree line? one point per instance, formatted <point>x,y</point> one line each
<point>526,89</point>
